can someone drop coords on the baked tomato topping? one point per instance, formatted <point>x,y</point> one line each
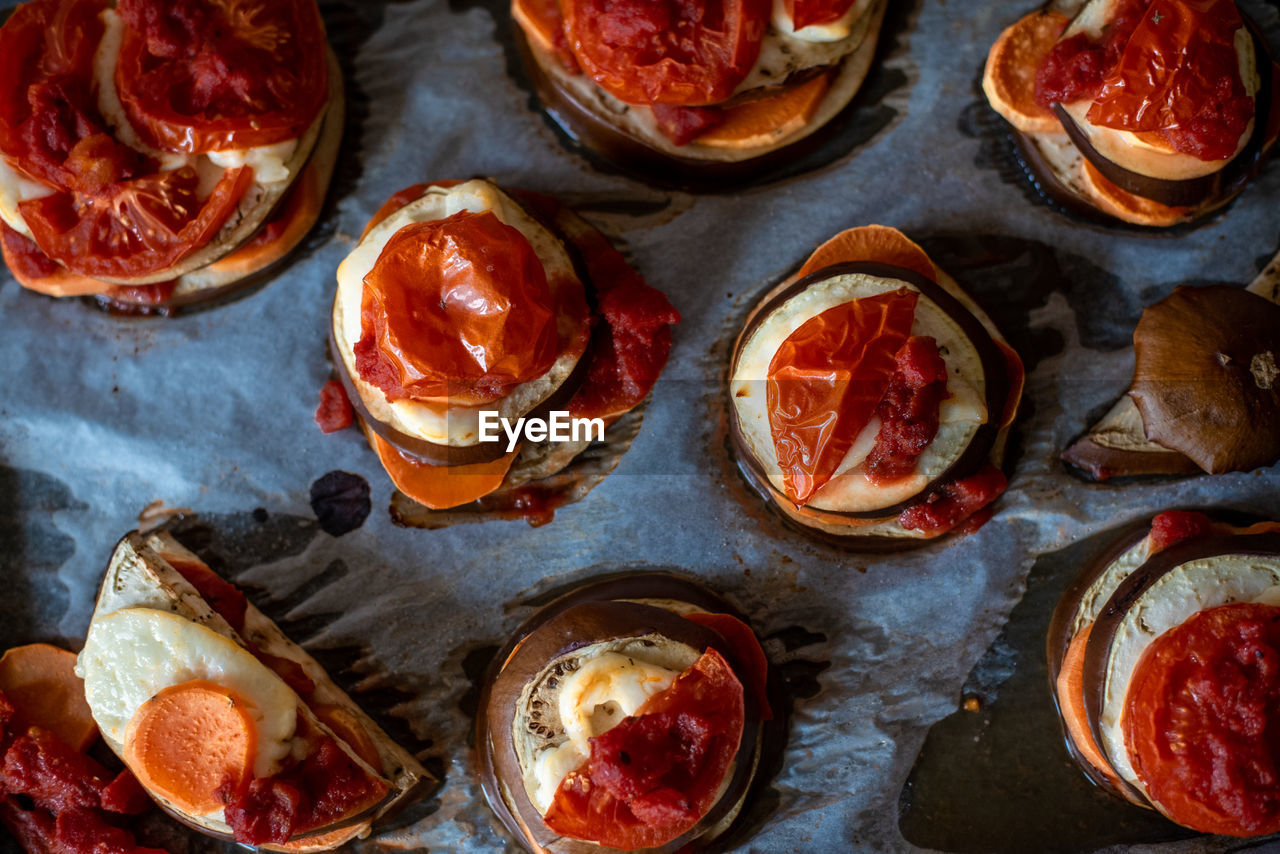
<point>743,641</point>
<point>1201,718</point>
<point>657,773</point>
<point>134,228</point>
<point>456,309</point>
<point>963,505</point>
<point>826,381</point>
<point>1168,67</point>
<point>807,13</point>
<point>1179,75</point>
<point>909,411</point>
<point>210,75</point>
<point>1174,526</point>
<point>685,53</point>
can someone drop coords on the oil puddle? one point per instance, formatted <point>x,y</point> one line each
<point>995,775</point>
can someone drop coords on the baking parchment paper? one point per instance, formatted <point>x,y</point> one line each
<point>99,416</point>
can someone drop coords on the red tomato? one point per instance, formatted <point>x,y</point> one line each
<point>962,505</point>
<point>655,775</point>
<point>47,103</point>
<point>806,13</point>
<point>1200,720</point>
<point>686,53</point>
<point>826,381</point>
<point>209,75</point>
<point>136,227</point>
<point>1179,75</point>
<point>457,308</point>
<point>740,637</point>
<point>1174,526</point>
<point>909,412</point>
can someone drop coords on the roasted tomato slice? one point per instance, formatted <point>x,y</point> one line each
<point>1201,716</point>
<point>806,13</point>
<point>682,52</point>
<point>134,228</point>
<point>210,75</point>
<point>826,381</point>
<point>657,773</point>
<point>456,309</point>
<point>47,104</point>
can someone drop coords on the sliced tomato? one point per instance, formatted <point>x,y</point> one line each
<point>1200,719</point>
<point>456,309</point>
<point>685,53</point>
<point>133,228</point>
<point>807,13</point>
<point>655,775</point>
<point>209,75</point>
<point>826,381</point>
<point>1179,75</point>
<point>739,636</point>
<point>49,119</point>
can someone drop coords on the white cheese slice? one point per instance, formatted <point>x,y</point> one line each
<point>15,188</point>
<point>1178,595</point>
<point>839,29</point>
<point>850,491</point>
<point>438,421</point>
<point>595,698</point>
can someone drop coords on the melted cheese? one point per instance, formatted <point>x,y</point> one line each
<point>15,188</point>
<point>849,491</point>
<point>439,422</point>
<point>596,697</point>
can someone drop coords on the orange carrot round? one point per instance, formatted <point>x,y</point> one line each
<point>188,740</point>
<point>877,243</point>
<point>440,487</point>
<point>41,683</point>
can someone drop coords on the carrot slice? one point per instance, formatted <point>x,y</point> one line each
<point>768,119</point>
<point>41,683</point>
<point>1125,205</point>
<point>1071,701</point>
<point>1009,80</point>
<point>440,487</point>
<point>347,726</point>
<point>186,741</point>
<point>877,243</point>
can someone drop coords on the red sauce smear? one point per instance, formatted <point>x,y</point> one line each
<point>334,412</point>
<point>807,13</point>
<point>682,125</point>
<point>1174,526</point>
<point>1167,67</point>
<point>54,799</point>
<point>657,773</point>
<point>1201,718</point>
<point>961,506</point>
<point>456,309</point>
<point>826,381</point>
<point>319,790</point>
<point>908,412</point>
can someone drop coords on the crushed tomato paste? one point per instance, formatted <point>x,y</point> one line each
<point>1174,526</point>
<point>56,799</point>
<point>908,412</point>
<point>960,505</point>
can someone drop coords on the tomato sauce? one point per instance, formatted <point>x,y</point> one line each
<point>53,798</point>
<point>909,411</point>
<point>1174,526</point>
<point>682,125</point>
<point>1200,719</point>
<point>321,789</point>
<point>962,505</point>
<point>334,412</point>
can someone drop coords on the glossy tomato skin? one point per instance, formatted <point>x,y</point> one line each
<point>826,381</point>
<point>685,53</point>
<point>210,75</point>
<point>1201,717</point>
<point>807,13</point>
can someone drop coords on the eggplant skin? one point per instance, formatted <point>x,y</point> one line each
<point>1125,596</point>
<point>608,610</point>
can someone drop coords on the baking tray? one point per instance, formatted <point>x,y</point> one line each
<point>101,416</point>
